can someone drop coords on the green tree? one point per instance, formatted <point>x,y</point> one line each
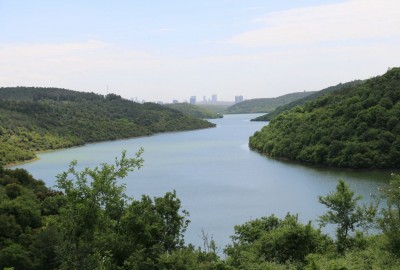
<point>272,240</point>
<point>344,211</point>
<point>94,207</point>
<point>102,228</point>
<point>15,256</point>
<point>150,228</point>
<point>189,258</point>
<point>389,221</point>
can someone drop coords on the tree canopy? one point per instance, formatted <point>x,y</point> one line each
<point>38,119</point>
<point>344,211</point>
<point>354,127</point>
<point>265,105</point>
<point>302,101</point>
<point>91,223</point>
<point>88,223</point>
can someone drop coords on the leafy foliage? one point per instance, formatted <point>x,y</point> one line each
<point>344,211</point>
<point>271,239</point>
<point>94,207</point>
<point>93,224</point>
<point>372,255</point>
<point>265,105</point>
<point>28,236</point>
<point>389,221</point>
<point>38,119</point>
<point>355,127</point>
<point>102,227</point>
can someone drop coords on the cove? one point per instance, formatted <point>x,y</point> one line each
<point>218,179</point>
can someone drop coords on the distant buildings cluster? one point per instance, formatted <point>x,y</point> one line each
<point>238,99</point>
<point>213,100</point>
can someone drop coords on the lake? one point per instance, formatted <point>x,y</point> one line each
<point>218,179</point>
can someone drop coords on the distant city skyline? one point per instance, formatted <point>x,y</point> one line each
<point>238,99</point>
<point>171,50</point>
<point>193,100</point>
<point>211,100</point>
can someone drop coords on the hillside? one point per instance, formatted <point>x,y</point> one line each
<point>301,101</point>
<point>265,105</point>
<point>215,108</point>
<point>38,119</point>
<point>194,110</point>
<point>355,127</point>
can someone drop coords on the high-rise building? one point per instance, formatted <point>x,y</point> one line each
<point>193,100</point>
<point>238,99</point>
<point>175,101</point>
<point>214,98</point>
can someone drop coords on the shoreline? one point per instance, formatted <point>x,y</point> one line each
<point>13,164</point>
<point>8,166</point>
<point>320,166</point>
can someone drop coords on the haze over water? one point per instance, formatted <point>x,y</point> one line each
<point>218,179</point>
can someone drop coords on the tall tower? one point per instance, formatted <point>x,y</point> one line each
<point>238,99</point>
<point>214,98</point>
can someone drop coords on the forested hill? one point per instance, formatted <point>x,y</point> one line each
<point>194,110</point>
<point>356,127</point>
<point>265,105</point>
<point>301,101</point>
<point>37,119</point>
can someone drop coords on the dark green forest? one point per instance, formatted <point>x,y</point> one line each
<point>265,105</point>
<point>89,222</point>
<point>354,127</point>
<point>194,110</point>
<point>40,119</point>
<point>302,101</point>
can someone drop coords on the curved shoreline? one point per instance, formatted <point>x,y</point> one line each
<point>13,164</point>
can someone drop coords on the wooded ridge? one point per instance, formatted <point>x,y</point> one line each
<point>302,101</point>
<point>355,127</point>
<point>194,110</point>
<point>265,105</point>
<point>37,119</point>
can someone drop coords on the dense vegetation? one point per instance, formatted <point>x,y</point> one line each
<point>301,101</point>
<point>90,223</point>
<point>194,110</point>
<point>265,105</point>
<point>355,127</point>
<point>215,108</point>
<point>37,119</point>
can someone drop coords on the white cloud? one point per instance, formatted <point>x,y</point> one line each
<point>351,20</point>
<point>75,65</point>
<point>277,67</point>
<point>92,65</point>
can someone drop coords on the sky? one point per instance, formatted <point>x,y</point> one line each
<point>160,50</point>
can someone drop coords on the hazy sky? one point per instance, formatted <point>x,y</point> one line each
<point>160,50</point>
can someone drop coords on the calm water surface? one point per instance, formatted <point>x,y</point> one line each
<point>218,179</point>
